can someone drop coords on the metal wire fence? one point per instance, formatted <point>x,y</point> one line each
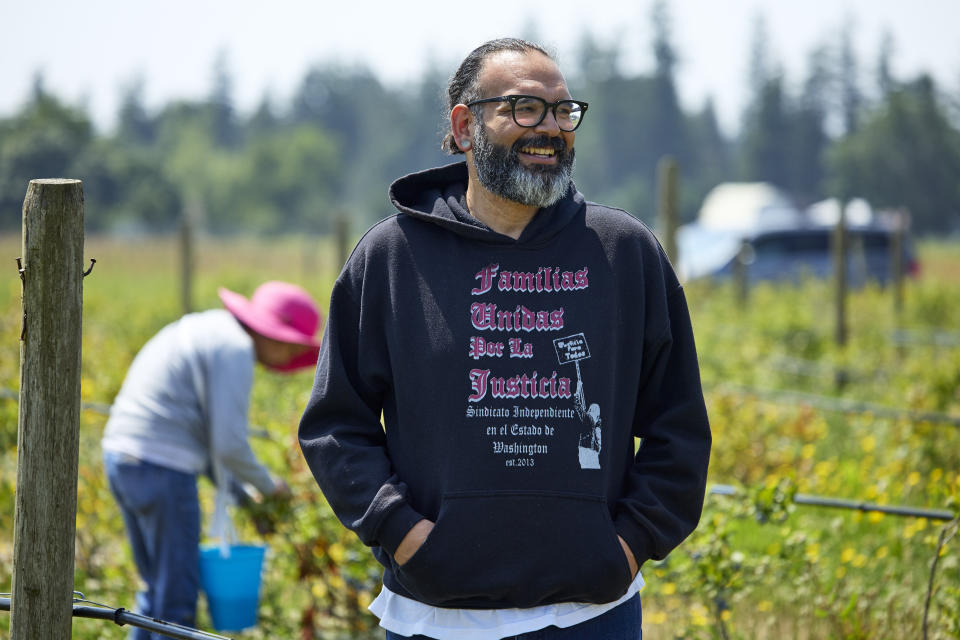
<point>83,608</point>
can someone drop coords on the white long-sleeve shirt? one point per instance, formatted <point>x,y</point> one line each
<point>184,401</point>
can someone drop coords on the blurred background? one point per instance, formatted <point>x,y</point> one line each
<point>274,129</point>
<point>278,119</point>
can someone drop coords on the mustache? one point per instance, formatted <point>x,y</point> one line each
<point>558,144</point>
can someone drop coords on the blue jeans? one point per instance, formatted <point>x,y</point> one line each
<point>161,512</point>
<point>620,623</point>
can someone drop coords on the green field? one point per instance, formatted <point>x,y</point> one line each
<point>758,566</point>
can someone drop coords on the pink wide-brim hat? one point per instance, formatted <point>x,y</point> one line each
<point>280,311</point>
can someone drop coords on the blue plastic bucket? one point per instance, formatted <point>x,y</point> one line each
<point>232,584</point>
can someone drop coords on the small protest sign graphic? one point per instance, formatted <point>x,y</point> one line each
<point>574,349</point>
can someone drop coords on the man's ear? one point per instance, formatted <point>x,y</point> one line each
<point>461,119</point>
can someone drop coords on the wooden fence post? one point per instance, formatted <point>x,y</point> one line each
<point>49,420</point>
<point>840,243</point>
<point>343,239</point>
<point>188,222</point>
<point>668,206</point>
<point>741,272</point>
<point>896,264</point>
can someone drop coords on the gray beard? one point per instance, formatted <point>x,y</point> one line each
<point>500,171</point>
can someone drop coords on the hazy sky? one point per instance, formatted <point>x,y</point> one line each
<point>88,50</point>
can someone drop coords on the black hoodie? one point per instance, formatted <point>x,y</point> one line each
<point>512,377</point>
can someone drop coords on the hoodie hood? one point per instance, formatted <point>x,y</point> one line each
<point>439,196</point>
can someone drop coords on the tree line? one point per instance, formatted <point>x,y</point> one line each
<point>844,129</point>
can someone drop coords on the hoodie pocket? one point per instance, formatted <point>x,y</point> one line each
<point>517,548</point>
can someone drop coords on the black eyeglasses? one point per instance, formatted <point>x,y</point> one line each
<point>529,111</point>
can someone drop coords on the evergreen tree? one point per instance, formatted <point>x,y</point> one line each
<point>885,80</point>
<point>906,154</point>
<point>666,133</point>
<point>766,137</point>
<point>125,189</point>
<point>222,113</point>
<point>596,63</point>
<point>848,74</point>
<point>611,143</point>
<point>134,125</point>
<point>808,137</point>
<point>42,141</point>
<point>711,162</point>
<point>264,120</point>
<point>761,60</point>
<point>283,183</point>
<point>424,118</point>
<point>764,140</point>
<point>345,136</point>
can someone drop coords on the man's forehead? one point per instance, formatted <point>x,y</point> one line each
<point>520,72</point>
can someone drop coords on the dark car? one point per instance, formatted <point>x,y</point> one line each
<point>792,254</point>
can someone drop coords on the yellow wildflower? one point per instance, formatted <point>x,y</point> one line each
<point>658,617</point>
<point>698,615</point>
<point>337,552</point>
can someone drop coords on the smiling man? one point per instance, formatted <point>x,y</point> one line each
<point>521,159</point>
<point>516,340</point>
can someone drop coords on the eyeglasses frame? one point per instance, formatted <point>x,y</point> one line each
<point>552,106</point>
